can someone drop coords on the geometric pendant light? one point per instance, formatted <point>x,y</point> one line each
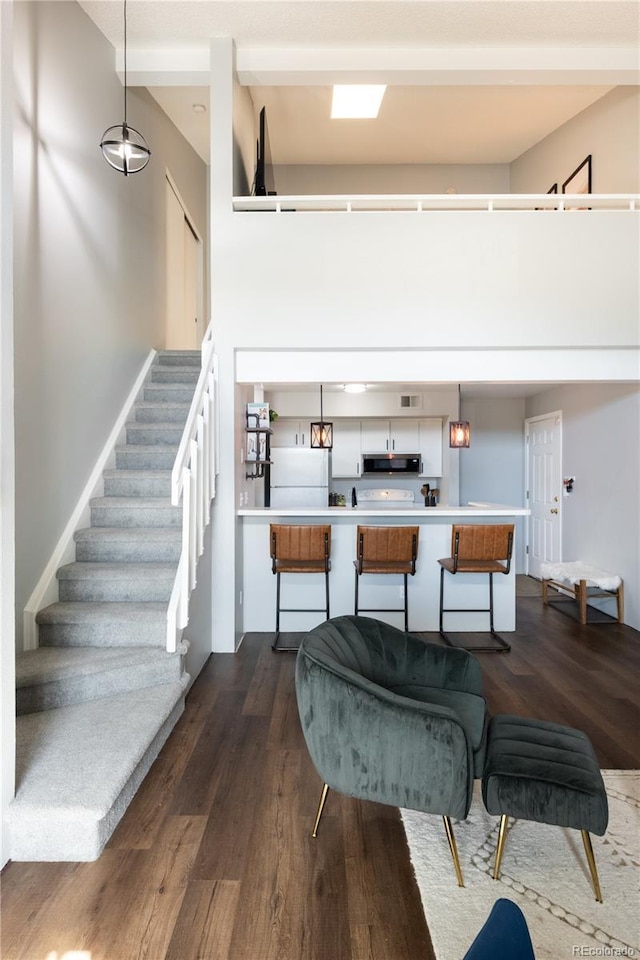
<point>123,147</point>
<point>459,430</point>
<point>321,431</point>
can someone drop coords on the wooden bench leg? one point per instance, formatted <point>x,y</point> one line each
<point>544,591</point>
<point>581,591</point>
<point>620,602</point>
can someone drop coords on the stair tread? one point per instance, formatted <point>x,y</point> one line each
<point>141,473</point>
<point>73,762</point>
<point>149,447</point>
<point>95,611</point>
<point>134,534</point>
<point>116,570</point>
<point>154,404</point>
<point>47,664</point>
<point>178,353</point>
<point>146,502</point>
<point>154,425</point>
<point>154,386</point>
<point>175,367</point>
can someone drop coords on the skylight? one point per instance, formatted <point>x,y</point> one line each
<point>357,101</point>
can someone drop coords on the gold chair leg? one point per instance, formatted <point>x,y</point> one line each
<point>504,820</point>
<point>323,797</point>
<point>588,849</point>
<point>454,850</point>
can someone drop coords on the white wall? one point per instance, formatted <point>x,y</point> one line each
<point>414,178</point>
<point>601,449</point>
<point>403,280</point>
<point>7,485</point>
<point>198,630</point>
<point>244,141</point>
<point>609,130</point>
<point>492,468</point>
<point>373,403</point>
<point>89,262</point>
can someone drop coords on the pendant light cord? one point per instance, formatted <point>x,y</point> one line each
<point>125,63</point>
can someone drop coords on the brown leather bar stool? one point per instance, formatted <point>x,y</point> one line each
<point>304,548</point>
<point>478,548</point>
<point>386,550</point>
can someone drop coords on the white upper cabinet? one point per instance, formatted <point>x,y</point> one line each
<point>353,438</point>
<point>291,433</point>
<point>346,455</point>
<point>390,436</point>
<point>430,447</point>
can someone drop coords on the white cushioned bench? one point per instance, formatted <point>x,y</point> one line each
<point>579,581</point>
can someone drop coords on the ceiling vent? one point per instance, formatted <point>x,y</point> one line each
<point>410,401</point>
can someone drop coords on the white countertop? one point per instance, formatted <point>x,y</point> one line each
<point>472,509</point>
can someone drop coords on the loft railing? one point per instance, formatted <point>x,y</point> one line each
<point>193,483</point>
<point>558,202</point>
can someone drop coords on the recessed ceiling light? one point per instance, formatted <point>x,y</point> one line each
<point>355,387</point>
<point>199,108</point>
<point>357,101</point>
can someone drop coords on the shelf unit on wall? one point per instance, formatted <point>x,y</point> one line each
<point>262,448</point>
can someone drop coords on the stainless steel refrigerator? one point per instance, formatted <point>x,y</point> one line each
<point>299,477</point>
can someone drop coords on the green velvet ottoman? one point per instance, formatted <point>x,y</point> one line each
<point>548,773</point>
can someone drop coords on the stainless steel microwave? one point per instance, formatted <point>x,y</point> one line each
<point>391,463</point>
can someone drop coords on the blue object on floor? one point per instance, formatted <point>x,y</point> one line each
<point>504,936</point>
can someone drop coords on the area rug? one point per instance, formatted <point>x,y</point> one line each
<point>544,870</point>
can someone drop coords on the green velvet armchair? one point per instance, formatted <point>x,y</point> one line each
<point>390,718</point>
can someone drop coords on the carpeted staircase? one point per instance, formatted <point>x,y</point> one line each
<point>100,696</point>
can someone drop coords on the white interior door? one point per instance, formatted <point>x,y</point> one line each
<point>193,332</point>
<point>543,440</point>
<point>184,326</point>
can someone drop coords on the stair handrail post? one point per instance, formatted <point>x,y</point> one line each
<point>193,484</point>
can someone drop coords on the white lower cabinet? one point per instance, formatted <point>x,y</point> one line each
<point>346,455</point>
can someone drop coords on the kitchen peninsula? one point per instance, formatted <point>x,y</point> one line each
<point>434,525</point>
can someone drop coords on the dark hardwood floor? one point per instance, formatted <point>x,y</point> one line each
<point>214,858</point>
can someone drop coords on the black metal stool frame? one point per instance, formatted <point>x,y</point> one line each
<point>274,562</point>
<point>405,608</point>
<point>503,646</point>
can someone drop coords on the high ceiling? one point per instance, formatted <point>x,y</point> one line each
<point>470,81</point>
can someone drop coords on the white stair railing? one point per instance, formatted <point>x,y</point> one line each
<point>193,482</point>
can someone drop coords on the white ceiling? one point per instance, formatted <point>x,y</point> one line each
<point>414,46</point>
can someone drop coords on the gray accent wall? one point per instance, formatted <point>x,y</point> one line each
<point>609,130</point>
<point>492,468</point>
<point>89,254</point>
<point>601,449</point>
<point>413,178</point>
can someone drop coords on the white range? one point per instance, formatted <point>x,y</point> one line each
<point>385,497</point>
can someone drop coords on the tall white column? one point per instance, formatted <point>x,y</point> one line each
<point>7,460</point>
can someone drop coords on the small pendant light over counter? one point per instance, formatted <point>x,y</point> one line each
<point>459,430</point>
<point>123,147</point>
<point>321,432</point>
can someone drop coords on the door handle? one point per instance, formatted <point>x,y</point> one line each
<point>555,499</point>
<point>554,510</point>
